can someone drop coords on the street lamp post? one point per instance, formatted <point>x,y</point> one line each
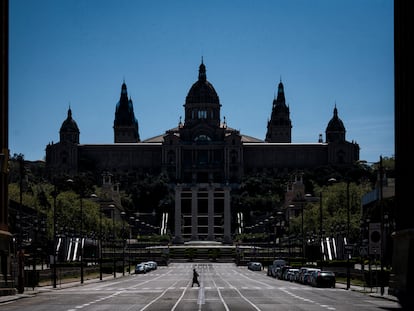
<point>100,243</point>
<point>123,243</point>
<point>80,231</point>
<point>303,235</point>
<point>129,249</point>
<point>321,228</point>
<point>54,236</point>
<point>94,196</point>
<point>382,224</point>
<point>348,268</point>
<point>81,237</point>
<point>113,237</point>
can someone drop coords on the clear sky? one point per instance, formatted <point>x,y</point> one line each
<point>77,53</point>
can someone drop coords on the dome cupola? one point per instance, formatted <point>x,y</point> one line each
<point>69,131</point>
<point>335,131</point>
<point>202,103</point>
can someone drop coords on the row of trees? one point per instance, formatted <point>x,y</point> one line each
<point>258,195</point>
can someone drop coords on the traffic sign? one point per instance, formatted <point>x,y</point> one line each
<point>375,238</point>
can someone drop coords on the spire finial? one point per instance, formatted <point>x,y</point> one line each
<point>202,71</point>
<point>69,112</point>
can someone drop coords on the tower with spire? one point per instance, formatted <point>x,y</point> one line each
<point>125,123</point>
<point>279,127</point>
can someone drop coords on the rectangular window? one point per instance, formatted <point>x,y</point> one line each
<point>202,114</point>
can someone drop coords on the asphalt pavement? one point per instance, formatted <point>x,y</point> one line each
<point>30,292</point>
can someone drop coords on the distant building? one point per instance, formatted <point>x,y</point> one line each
<point>204,157</point>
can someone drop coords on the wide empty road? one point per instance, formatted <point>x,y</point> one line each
<point>223,286</point>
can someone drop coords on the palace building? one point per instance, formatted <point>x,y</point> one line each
<point>204,158</point>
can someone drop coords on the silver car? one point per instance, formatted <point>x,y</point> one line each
<point>254,266</point>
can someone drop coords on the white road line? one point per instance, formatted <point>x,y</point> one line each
<point>154,300</point>
<point>95,301</point>
<point>241,295</point>
<point>221,297</point>
<point>262,283</point>
<point>307,300</point>
<point>150,280</point>
<point>179,299</point>
<point>201,297</point>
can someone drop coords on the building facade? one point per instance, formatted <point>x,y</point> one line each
<point>204,158</point>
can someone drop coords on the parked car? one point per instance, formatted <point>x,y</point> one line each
<point>254,266</point>
<point>281,273</point>
<point>291,274</point>
<point>307,276</point>
<point>152,265</point>
<point>323,279</point>
<point>141,268</point>
<point>302,271</point>
<point>277,264</point>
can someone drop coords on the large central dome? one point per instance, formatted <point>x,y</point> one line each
<point>202,105</point>
<point>202,91</point>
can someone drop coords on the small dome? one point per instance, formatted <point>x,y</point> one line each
<point>69,125</point>
<point>202,91</point>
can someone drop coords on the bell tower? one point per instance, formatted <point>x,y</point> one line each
<point>279,127</point>
<point>125,124</point>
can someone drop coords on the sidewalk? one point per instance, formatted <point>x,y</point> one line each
<point>371,291</point>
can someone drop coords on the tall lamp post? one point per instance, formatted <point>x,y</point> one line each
<point>382,224</point>
<point>100,243</point>
<point>113,237</point>
<point>321,228</point>
<point>123,242</point>
<point>131,218</point>
<point>348,222</point>
<point>54,236</point>
<point>81,230</point>
<point>94,196</point>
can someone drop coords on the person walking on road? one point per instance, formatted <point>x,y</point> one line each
<point>195,278</point>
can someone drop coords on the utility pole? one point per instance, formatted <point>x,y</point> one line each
<point>20,255</point>
<point>381,180</point>
<point>321,228</point>
<point>348,268</point>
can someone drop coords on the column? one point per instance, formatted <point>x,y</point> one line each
<point>211,213</point>
<point>194,214</point>
<point>177,215</point>
<point>227,215</point>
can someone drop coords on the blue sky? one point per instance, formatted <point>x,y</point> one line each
<point>77,53</point>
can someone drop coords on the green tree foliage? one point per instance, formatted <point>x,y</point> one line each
<point>260,192</point>
<point>67,209</point>
<point>147,193</point>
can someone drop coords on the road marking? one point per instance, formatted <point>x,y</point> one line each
<point>201,297</point>
<point>179,299</point>
<point>95,301</point>
<point>154,300</point>
<point>221,297</point>
<point>241,295</point>
<point>306,299</point>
